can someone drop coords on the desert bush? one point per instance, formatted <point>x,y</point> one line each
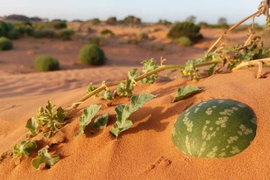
<point>95,21</point>
<point>188,29</point>
<point>44,33</point>
<point>13,34</point>
<point>143,36</point>
<point>60,25</point>
<point>3,28</point>
<point>46,63</point>
<point>106,32</point>
<point>66,34</point>
<point>184,41</point>
<point>5,43</point>
<point>26,24</point>
<point>26,31</point>
<point>91,54</point>
<point>163,22</point>
<point>132,20</point>
<point>111,21</point>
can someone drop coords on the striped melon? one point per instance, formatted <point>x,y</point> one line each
<point>215,128</point>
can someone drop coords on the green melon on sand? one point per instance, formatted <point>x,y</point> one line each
<point>215,128</point>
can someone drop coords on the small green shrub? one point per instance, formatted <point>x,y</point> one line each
<point>106,32</point>
<point>143,36</point>
<point>5,43</point>
<point>3,28</point>
<point>188,29</point>
<point>111,21</point>
<point>13,34</point>
<point>95,21</point>
<point>44,33</point>
<point>184,41</point>
<point>26,31</point>
<point>91,54</point>
<point>46,63</point>
<point>60,25</point>
<point>66,34</point>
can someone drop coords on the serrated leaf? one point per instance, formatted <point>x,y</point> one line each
<point>101,121</point>
<point>24,149</point>
<point>125,89</point>
<point>148,66</point>
<point>45,157</point>
<point>126,125</point>
<point>107,95</point>
<point>124,111</point>
<point>32,125</point>
<point>87,116</point>
<point>132,74</point>
<point>91,88</point>
<point>138,101</point>
<point>185,91</point>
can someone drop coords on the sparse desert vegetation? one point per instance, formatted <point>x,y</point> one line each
<point>181,98</point>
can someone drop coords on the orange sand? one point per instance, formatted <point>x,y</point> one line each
<point>145,151</point>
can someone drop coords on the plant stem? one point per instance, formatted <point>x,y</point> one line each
<point>251,63</point>
<point>258,13</point>
<point>159,69</point>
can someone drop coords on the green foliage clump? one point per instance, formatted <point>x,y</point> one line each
<point>44,157</point>
<point>13,34</point>
<point>123,113</point>
<point>46,63</point>
<point>91,54</point>
<point>95,21</point>
<point>5,43</point>
<point>60,25</point>
<point>46,33</point>
<point>143,36</point>
<point>188,29</point>
<point>66,34</point>
<point>111,21</point>
<point>3,28</point>
<point>106,32</point>
<point>184,41</point>
<point>216,128</point>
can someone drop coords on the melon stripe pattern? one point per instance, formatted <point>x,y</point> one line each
<point>215,128</point>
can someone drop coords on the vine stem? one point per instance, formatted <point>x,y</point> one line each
<point>258,13</point>
<point>111,84</point>
<point>251,63</point>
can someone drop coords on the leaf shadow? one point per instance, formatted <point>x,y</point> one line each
<point>153,115</point>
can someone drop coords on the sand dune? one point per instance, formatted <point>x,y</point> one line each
<point>145,151</point>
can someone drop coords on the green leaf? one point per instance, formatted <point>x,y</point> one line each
<point>185,91</point>
<point>32,125</point>
<point>107,95</point>
<point>124,111</point>
<point>139,100</point>
<point>124,126</point>
<point>101,121</point>
<point>24,149</point>
<point>46,158</point>
<point>148,66</point>
<point>87,116</point>
<point>91,88</point>
<point>125,89</point>
<point>132,74</point>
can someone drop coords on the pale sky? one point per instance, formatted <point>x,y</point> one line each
<point>147,10</point>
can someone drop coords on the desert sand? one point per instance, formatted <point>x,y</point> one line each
<point>145,151</point>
